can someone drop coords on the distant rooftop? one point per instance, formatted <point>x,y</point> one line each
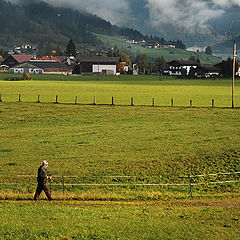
<point>99,59</point>
<point>21,57</point>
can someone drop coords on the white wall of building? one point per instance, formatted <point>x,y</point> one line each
<point>99,68</point>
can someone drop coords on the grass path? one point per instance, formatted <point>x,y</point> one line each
<point>107,220</point>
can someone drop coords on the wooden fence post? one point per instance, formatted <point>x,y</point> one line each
<point>63,184</point>
<point>38,98</point>
<point>113,101</point>
<point>190,185</point>
<point>213,103</point>
<point>76,99</point>
<point>94,100</point>
<point>172,103</point>
<point>153,102</point>
<point>190,103</point>
<point>0,97</point>
<point>57,99</point>
<point>19,98</point>
<point>132,103</point>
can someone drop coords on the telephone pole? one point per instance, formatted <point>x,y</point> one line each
<point>234,63</point>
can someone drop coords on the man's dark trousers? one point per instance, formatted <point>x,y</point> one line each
<point>42,186</point>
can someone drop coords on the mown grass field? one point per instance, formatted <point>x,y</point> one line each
<point>146,144</point>
<point>119,145</point>
<point>142,88</point>
<point>105,220</point>
<point>169,54</point>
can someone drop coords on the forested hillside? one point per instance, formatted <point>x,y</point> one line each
<point>40,23</point>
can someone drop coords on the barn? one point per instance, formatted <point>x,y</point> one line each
<point>97,65</point>
<point>15,59</point>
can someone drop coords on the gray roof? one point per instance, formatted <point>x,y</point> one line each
<point>183,63</point>
<point>99,59</point>
<point>43,64</point>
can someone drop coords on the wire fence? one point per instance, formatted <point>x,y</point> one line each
<point>80,181</point>
<point>112,102</point>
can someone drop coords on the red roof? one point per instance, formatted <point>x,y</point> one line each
<point>22,58</point>
<point>49,58</point>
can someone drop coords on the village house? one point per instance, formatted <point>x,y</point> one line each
<point>41,67</point>
<point>3,68</point>
<point>167,45</point>
<point>207,71</point>
<point>15,59</point>
<point>176,67</point>
<point>98,65</point>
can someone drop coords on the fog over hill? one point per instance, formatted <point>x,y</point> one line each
<point>197,23</point>
<point>206,21</point>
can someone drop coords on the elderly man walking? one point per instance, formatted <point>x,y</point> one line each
<point>42,182</point>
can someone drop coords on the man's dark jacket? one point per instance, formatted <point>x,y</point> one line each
<point>42,175</point>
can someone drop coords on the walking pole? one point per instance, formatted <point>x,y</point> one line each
<point>50,186</point>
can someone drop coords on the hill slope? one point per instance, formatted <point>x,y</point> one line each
<point>39,23</point>
<point>168,53</point>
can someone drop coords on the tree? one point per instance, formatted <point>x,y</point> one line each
<point>160,65</point>
<point>193,58</point>
<point>192,72</point>
<point>48,49</point>
<point>59,51</point>
<point>71,49</point>
<point>208,50</point>
<point>184,72</point>
<point>142,62</point>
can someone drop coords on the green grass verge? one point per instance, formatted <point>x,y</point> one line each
<point>68,220</point>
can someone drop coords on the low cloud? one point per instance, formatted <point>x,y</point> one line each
<point>114,11</point>
<point>188,14</point>
<point>191,15</point>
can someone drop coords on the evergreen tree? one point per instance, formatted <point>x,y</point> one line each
<point>48,49</point>
<point>208,50</point>
<point>142,62</point>
<point>59,51</point>
<point>71,49</point>
<point>160,65</point>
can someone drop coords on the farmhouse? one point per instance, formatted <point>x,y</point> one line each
<point>97,65</point>
<point>4,68</point>
<point>15,59</point>
<point>41,67</point>
<point>207,71</point>
<point>176,67</point>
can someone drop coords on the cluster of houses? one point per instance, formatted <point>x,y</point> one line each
<point>23,49</point>
<point>185,68</point>
<point>20,64</point>
<point>151,44</point>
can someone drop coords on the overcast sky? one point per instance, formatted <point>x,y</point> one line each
<point>191,14</point>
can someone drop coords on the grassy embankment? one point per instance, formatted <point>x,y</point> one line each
<point>149,145</point>
<point>169,54</point>
<point>88,220</point>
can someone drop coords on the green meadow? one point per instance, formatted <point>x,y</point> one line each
<point>110,157</point>
<point>115,148</point>
<point>142,88</point>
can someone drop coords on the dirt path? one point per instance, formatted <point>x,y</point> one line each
<point>214,203</point>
